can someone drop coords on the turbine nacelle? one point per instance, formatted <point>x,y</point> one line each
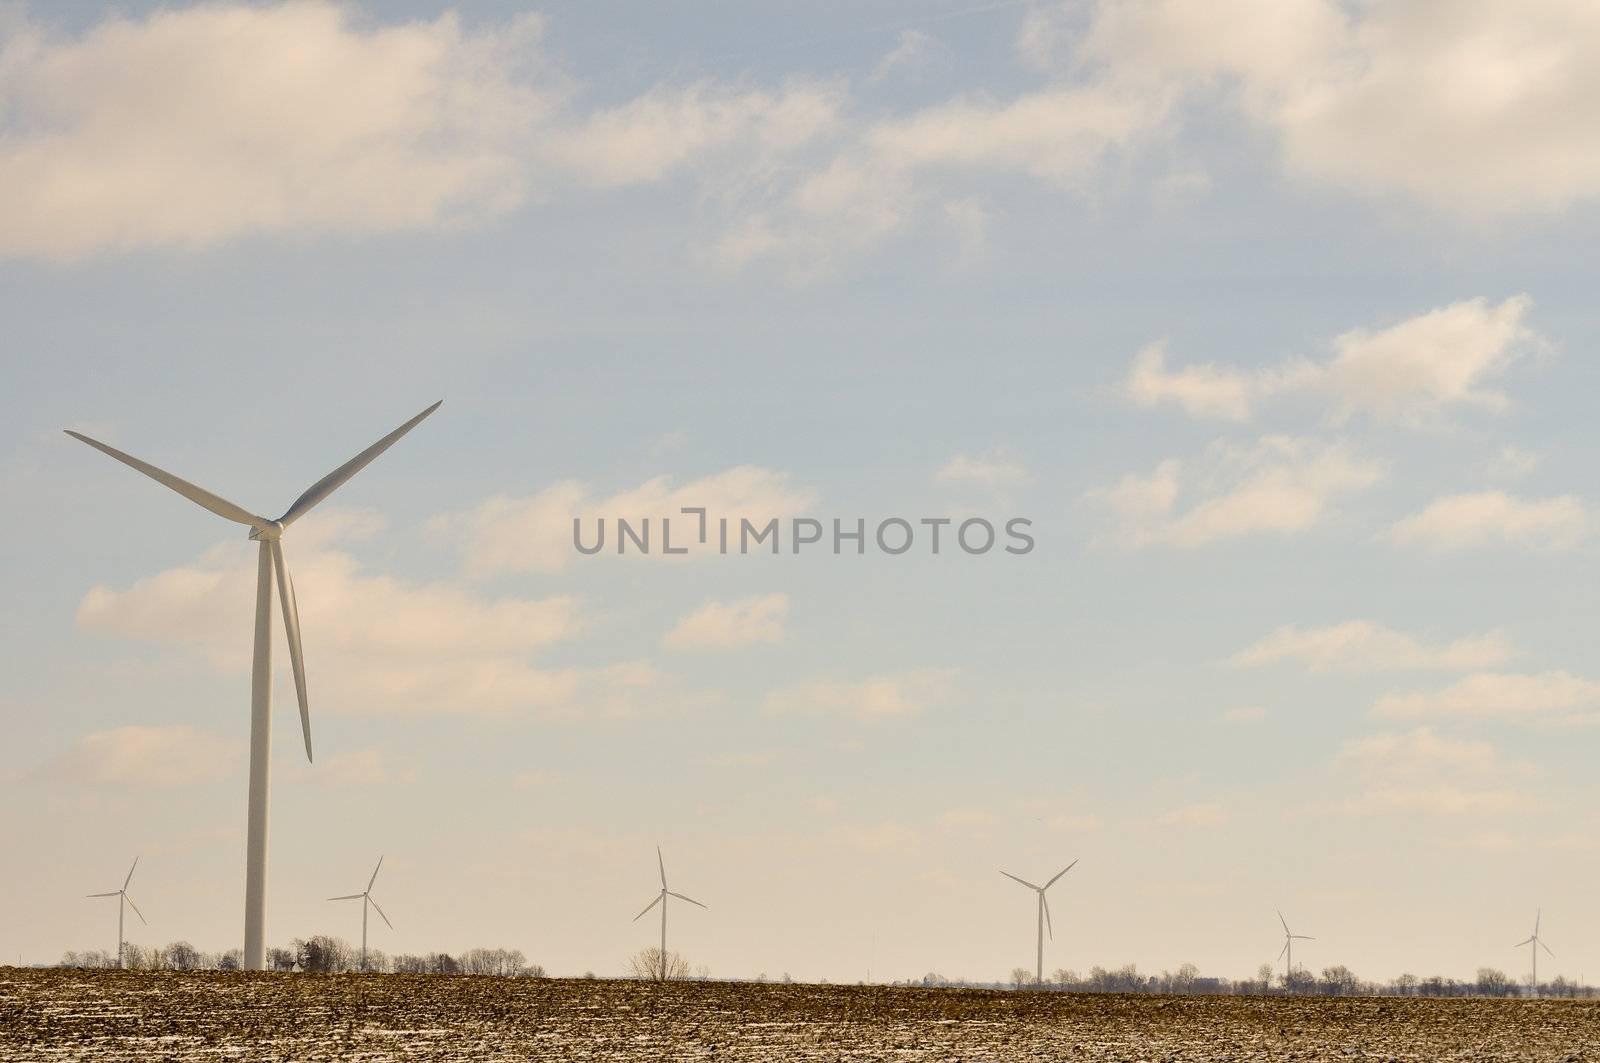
<point>268,531</point>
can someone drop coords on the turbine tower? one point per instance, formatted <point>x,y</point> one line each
<point>1044,915</point>
<point>1534,944</point>
<point>270,568</point>
<point>365,897</point>
<point>1287,955</point>
<point>661,899</point>
<point>123,899</point>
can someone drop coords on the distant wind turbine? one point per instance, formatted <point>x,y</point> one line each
<point>123,898</point>
<point>1287,955</point>
<point>1044,915</point>
<point>1534,945</point>
<point>365,897</point>
<point>270,566</point>
<point>661,899</point>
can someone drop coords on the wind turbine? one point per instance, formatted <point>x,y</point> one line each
<point>1534,945</point>
<point>123,898</point>
<point>1287,955</point>
<point>1044,914</point>
<point>270,567</point>
<point>661,899</point>
<point>365,897</point>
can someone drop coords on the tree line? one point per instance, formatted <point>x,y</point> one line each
<point>1334,981</point>
<point>320,954</point>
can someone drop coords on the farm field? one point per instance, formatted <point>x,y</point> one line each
<point>110,1015</point>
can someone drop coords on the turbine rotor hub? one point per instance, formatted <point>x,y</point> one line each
<point>272,529</point>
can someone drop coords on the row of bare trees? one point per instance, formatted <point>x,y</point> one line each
<point>1333,981</point>
<point>322,954</point>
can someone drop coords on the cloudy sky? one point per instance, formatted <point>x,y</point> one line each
<point>1270,316</point>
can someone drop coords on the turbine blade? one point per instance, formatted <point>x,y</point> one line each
<point>380,912</point>
<point>374,877</point>
<point>1050,926</point>
<point>136,910</point>
<point>691,900</point>
<point>1024,881</point>
<point>663,866</point>
<point>291,628</point>
<point>1302,937</point>
<point>647,908</point>
<point>1283,950</point>
<point>1063,871</point>
<point>1518,945</point>
<point>348,897</point>
<point>1537,915</point>
<point>1546,948</point>
<point>113,893</point>
<point>198,495</point>
<point>335,479</point>
<point>1284,921</point>
<point>130,873</point>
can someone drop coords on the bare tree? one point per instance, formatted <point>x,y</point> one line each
<point>180,956</point>
<point>1021,977</point>
<point>654,965</point>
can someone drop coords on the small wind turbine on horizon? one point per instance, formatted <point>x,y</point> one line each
<point>1535,943</point>
<point>365,897</point>
<point>270,569</point>
<point>661,899</point>
<point>123,899</point>
<point>1287,955</point>
<point>1044,915</point>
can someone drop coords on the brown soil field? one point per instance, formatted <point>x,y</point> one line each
<point>113,1015</point>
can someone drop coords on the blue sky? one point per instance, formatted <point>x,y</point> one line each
<point>1273,318</point>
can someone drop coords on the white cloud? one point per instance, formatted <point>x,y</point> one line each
<point>1421,771</point>
<point>1394,754</point>
<point>1494,518</point>
<point>355,767</point>
<point>665,129</point>
<point>995,469</point>
<point>882,697</point>
<point>1360,645</point>
<point>373,643</point>
<point>1473,108</point>
<point>1197,815</point>
<point>913,50</point>
<point>534,533</point>
<point>1279,485</point>
<point>1512,462</point>
<point>723,625</point>
<point>192,126</point>
<point>902,170</point>
<point>1411,372</point>
<point>1497,694</point>
<point>146,757</point>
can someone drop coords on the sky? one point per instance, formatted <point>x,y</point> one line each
<point>1273,319</point>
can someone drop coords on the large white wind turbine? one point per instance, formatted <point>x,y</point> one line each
<point>365,897</point>
<point>1287,955</point>
<point>661,899</point>
<point>1044,915</point>
<point>123,899</point>
<point>270,568</point>
<point>1535,943</point>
